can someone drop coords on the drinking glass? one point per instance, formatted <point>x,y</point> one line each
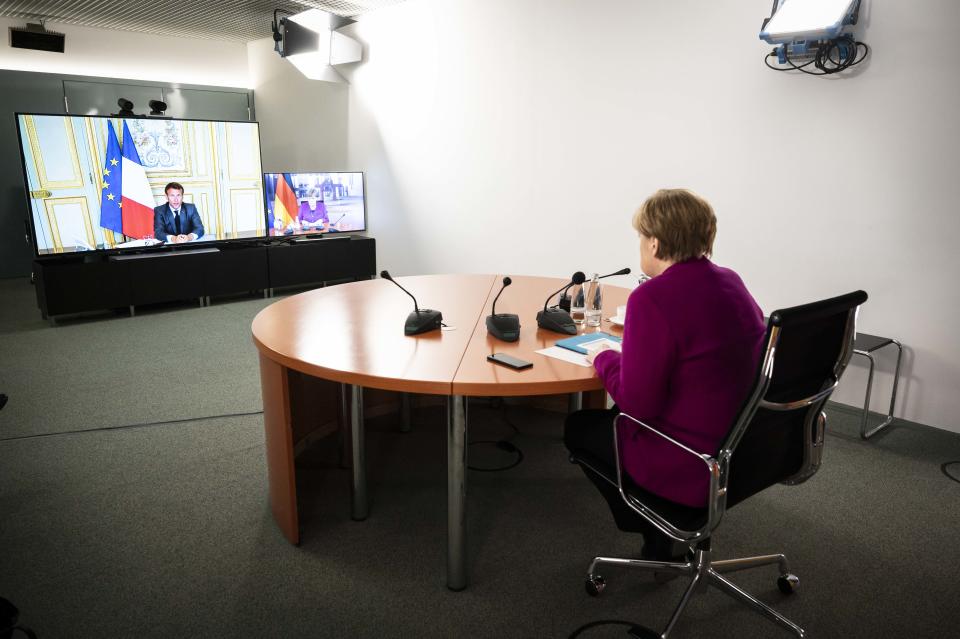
<point>594,304</point>
<point>578,303</point>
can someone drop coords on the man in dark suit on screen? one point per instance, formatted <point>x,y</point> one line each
<point>176,221</point>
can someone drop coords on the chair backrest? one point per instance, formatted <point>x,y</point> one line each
<point>778,433</point>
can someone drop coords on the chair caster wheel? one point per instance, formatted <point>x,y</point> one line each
<point>788,583</point>
<point>594,585</point>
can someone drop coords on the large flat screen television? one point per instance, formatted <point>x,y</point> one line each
<point>314,203</point>
<point>104,183</point>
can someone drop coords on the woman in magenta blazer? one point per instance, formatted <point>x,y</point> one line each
<point>691,346</point>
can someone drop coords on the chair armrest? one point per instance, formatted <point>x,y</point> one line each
<point>716,503</point>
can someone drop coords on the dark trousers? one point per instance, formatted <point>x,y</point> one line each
<point>590,433</point>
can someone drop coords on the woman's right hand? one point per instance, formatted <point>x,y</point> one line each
<point>593,352</point>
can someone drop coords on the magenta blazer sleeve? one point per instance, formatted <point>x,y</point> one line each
<point>638,379</point>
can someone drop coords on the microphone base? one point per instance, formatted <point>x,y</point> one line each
<point>556,320</point>
<point>505,326</point>
<point>422,321</point>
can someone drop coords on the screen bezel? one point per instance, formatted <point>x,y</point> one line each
<point>281,238</point>
<point>137,249</point>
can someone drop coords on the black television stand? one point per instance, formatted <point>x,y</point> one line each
<point>153,254</point>
<point>80,282</point>
<point>318,238</point>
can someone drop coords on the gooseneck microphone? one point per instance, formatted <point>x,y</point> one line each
<point>623,271</point>
<point>565,299</point>
<point>421,320</point>
<point>505,326</point>
<point>557,319</point>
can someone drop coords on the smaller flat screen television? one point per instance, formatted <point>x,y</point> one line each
<point>314,203</point>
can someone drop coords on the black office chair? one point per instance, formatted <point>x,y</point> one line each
<point>776,438</point>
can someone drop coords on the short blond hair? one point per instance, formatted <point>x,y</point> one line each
<point>683,223</point>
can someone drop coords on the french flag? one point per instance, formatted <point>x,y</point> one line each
<point>138,200</point>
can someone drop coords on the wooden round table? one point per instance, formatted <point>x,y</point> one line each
<point>319,350</point>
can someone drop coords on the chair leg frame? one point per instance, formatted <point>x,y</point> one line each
<point>703,573</point>
<point>864,432</point>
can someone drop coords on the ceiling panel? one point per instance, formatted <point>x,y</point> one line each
<point>239,21</point>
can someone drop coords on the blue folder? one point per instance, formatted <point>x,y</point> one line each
<point>574,343</point>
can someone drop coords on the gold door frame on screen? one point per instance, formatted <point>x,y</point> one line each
<point>205,217</point>
<point>214,153</point>
<point>258,193</point>
<point>48,206</point>
<point>95,159</point>
<point>255,148</point>
<point>77,182</point>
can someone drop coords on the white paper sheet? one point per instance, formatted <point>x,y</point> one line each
<point>565,354</point>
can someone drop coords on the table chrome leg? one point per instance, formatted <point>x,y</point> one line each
<point>576,402</point>
<point>360,508</point>
<point>456,492</point>
<point>344,433</point>
<point>405,426</point>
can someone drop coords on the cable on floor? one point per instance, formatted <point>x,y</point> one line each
<point>602,622</point>
<point>125,426</point>
<point>503,444</point>
<point>945,468</point>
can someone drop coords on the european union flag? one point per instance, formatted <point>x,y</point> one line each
<point>111,185</point>
<point>270,184</point>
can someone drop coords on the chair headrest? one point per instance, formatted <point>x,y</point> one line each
<point>817,310</point>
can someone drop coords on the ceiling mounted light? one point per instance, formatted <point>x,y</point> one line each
<point>808,20</point>
<point>309,41</point>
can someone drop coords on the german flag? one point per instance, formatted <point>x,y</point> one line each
<point>285,201</point>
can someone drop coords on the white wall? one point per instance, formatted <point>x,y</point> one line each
<point>518,137</point>
<point>138,56</point>
<point>303,123</point>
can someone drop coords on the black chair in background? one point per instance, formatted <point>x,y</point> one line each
<point>776,438</point>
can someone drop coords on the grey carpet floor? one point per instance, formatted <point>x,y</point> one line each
<point>165,530</point>
<point>102,371</point>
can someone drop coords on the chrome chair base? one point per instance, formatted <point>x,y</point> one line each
<point>704,573</point>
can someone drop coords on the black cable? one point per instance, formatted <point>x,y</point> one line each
<point>124,426</point>
<point>943,468</point>
<point>823,58</point>
<point>792,66</point>
<point>601,622</point>
<point>506,420</point>
<point>502,444</point>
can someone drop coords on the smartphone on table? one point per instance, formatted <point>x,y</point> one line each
<point>509,361</point>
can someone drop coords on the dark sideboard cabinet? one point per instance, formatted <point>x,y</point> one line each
<point>81,282</point>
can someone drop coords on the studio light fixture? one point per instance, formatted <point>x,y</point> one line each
<point>808,20</point>
<point>310,42</point>
<point>813,32</point>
